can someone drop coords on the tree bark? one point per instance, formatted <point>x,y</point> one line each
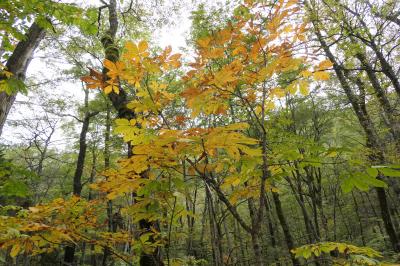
<point>255,241</point>
<point>285,228</point>
<point>215,230</point>
<point>17,64</point>
<point>382,98</point>
<point>356,208</point>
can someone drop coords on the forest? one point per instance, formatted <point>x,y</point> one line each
<point>199,132</point>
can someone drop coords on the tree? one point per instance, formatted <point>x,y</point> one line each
<point>233,154</point>
<point>16,14</point>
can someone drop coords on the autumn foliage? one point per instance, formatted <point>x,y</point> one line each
<point>255,61</point>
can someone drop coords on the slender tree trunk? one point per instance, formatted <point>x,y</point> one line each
<point>203,228</point>
<point>229,250</point>
<point>285,228</point>
<point>271,230</point>
<point>107,155</point>
<point>239,239</point>
<point>344,219</point>
<point>298,194</point>
<point>93,261</point>
<point>190,207</point>
<point>386,67</point>
<point>356,208</point>
<point>77,180</point>
<point>215,230</point>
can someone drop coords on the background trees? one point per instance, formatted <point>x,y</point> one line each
<point>274,141</point>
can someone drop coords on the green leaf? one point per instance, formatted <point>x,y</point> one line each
<point>390,172</point>
<point>14,188</point>
<point>347,185</point>
<point>373,172</point>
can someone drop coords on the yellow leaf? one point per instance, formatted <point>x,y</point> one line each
<point>278,92</point>
<point>143,45</point>
<point>122,122</point>
<point>290,3</point>
<point>239,50</point>
<point>111,86</point>
<point>108,89</point>
<point>332,154</point>
<point>231,181</point>
<point>34,209</point>
<point>303,87</point>
<point>7,73</point>
<point>292,88</point>
<point>288,28</point>
<point>269,105</point>
<point>224,76</point>
<point>114,69</point>
<point>116,89</point>
<point>274,189</point>
<point>325,64</point>
<point>301,37</point>
<point>320,75</point>
<point>131,48</point>
<point>175,57</point>
<point>306,73</point>
<point>112,195</point>
<point>15,250</point>
<point>258,110</point>
<point>216,53</point>
<point>203,42</point>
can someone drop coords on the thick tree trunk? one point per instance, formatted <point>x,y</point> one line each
<point>17,64</point>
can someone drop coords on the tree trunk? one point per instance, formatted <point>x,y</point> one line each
<point>271,229</point>
<point>107,134</point>
<point>387,220</point>
<point>356,208</point>
<point>17,64</point>
<point>77,181</point>
<point>382,98</point>
<point>255,241</point>
<point>285,228</point>
<point>214,230</point>
<point>119,102</point>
